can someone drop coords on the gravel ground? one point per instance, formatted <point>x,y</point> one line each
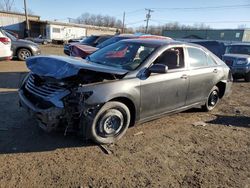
<point>188,149</point>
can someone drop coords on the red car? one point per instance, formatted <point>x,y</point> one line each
<point>79,50</point>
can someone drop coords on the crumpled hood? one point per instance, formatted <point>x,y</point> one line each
<point>60,67</point>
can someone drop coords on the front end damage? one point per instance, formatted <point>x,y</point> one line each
<point>53,91</point>
<point>59,104</point>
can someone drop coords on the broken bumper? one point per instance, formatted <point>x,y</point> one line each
<point>48,118</point>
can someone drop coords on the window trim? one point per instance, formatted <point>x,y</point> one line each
<point>167,48</point>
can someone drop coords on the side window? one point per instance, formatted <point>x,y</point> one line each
<point>197,58</point>
<point>210,61</point>
<point>173,58</point>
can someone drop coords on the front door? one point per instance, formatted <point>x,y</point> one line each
<point>161,93</point>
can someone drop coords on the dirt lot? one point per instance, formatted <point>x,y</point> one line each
<point>170,152</point>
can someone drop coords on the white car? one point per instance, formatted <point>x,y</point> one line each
<point>5,47</point>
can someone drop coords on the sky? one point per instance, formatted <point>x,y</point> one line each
<point>188,12</point>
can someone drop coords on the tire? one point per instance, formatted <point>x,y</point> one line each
<point>212,100</point>
<point>110,123</point>
<point>23,54</point>
<point>247,77</point>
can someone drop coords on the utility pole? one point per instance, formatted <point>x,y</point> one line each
<point>123,22</point>
<point>27,30</point>
<point>148,16</point>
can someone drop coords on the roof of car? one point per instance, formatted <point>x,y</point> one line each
<point>240,43</point>
<point>160,42</point>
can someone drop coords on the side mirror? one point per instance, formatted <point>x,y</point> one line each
<point>158,68</point>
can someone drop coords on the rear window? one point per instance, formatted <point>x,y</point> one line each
<point>111,41</point>
<point>89,40</point>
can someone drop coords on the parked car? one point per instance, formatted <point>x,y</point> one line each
<point>23,49</point>
<point>5,47</point>
<point>217,47</point>
<point>121,84</point>
<point>92,40</point>
<point>80,39</point>
<point>40,40</point>
<point>83,51</point>
<point>237,57</point>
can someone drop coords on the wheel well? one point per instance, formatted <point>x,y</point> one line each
<point>130,106</point>
<point>222,88</point>
<point>23,48</point>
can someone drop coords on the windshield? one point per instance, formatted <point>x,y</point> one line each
<point>111,41</point>
<point>89,40</point>
<point>123,55</point>
<point>238,49</point>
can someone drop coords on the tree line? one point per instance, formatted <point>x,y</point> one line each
<point>98,20</point>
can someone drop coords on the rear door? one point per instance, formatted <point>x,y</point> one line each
<point>202,76</point>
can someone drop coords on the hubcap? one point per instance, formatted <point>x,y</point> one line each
<point>111,123</point>
<point>213,99</point>
<point>24,54</point>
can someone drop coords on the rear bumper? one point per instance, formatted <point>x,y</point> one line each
<point>5,58</point>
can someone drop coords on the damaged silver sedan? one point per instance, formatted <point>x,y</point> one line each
<point>131,81</point>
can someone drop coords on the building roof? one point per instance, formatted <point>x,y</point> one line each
<point>73,25</point>
<point>18,14</point>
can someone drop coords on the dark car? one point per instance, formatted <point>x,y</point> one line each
<point>237,57</point>
<point>83,51</point>
<point>217,47</point>
<point>40,40</point>
<point>80,39</point>
<point>22,49</point>
<point>119,85</point>
<point>92,40</point>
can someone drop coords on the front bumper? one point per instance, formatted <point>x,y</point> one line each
<point>240,69</point>
<point>36,51</point>
<point>48,118</point>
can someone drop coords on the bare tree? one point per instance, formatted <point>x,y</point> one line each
<point>98,20</point>
<point>6,5</point>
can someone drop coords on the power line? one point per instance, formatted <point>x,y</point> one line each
<point>132,23</point>
<point>221,21</point>
<point>202,8</point>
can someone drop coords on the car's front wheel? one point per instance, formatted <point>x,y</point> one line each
<point>212,100</point>
<point>23,54</point>
<point>110,123</point>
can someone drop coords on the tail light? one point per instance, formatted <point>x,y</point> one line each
<point>4,40</point>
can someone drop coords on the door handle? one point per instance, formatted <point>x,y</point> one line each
<point>184,76</point>
<point>215,71</point>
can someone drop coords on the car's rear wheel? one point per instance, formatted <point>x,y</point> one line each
<point>23,54</point>
<point>212,100</point>
<point>247,77</point>
<point>110,123</point>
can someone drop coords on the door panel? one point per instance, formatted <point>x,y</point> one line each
<point>161,93</point>
<point>200,82</point>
